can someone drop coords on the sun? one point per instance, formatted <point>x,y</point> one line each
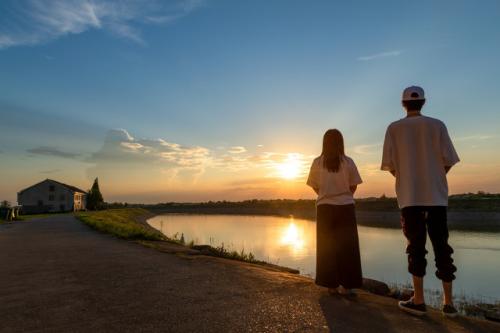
<point>289,168</point>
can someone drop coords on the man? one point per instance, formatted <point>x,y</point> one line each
<point>419,153</point>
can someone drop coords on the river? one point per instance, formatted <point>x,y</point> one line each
<point>292,243</point>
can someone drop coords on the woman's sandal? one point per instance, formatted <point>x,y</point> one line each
<point>346,292</point>
<point>333,291</point>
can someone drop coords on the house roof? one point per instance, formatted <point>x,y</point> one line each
<point>69,187</point>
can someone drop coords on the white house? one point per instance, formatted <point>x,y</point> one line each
<point>51,196</point>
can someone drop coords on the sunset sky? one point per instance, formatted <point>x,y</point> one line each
<point>221,99</point>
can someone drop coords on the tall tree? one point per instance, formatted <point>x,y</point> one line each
<point>95,200</point>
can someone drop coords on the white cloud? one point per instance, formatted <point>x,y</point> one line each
<point>50,171</point>
<point>477,137</point>
<point>32,22</point>
<point>366,149</point>
<point>125,159</point>
<point>237,150</point>
<point>132,146</point>
<point>120,147</point>
<point>52,151</point>
<point>369,169</point>
<point>393,53</point>
<point>268,162</point>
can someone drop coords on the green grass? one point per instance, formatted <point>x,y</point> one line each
<point>122,223</point>
<point>216,251</point>
<point>222,252</point>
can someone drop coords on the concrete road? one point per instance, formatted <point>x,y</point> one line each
<point>57,275</point>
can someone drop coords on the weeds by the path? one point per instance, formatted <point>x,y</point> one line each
<point>122,223</point>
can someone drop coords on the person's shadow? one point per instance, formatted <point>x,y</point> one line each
<point>351,315</point>
<point>356,315</point>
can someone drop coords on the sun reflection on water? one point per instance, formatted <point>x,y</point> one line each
<point>293,237</point>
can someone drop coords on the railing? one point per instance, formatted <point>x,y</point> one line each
<point>9,213</point>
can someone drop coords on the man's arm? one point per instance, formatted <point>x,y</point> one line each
<point>387,154</point>
<point>448,152</point>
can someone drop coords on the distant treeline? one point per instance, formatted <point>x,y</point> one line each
<point>469,202</point>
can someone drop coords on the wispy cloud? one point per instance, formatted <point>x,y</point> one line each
<point>51,151</point>
<point>237,150</point>
<point>120,147</point>
<point>369,169</point>
<point>32,22</point>
<point>477,137</point>
<point>387,54</point>
<point>50,171</point>
<point>368,149</point>
<point>267,162</point>
<point>147,161</point>
<point>143,158</point>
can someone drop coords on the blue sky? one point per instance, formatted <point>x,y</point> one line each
<point>266,77</point>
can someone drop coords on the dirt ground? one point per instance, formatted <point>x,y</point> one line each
<point>57,275</point>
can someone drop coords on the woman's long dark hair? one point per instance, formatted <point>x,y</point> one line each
<point>333,150</point>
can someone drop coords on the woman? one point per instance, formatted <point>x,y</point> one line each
<point>334,177</point>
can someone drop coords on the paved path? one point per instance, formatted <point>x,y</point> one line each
<point>57,275</point>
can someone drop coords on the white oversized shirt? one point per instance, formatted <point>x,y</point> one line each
<point>334,187</point>
<point>418,149</point>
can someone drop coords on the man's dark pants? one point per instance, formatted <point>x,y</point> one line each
<point>416,221</point>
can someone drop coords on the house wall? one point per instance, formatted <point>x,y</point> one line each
<point>49,196</point>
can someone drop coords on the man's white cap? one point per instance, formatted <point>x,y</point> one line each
<point>413,93</point>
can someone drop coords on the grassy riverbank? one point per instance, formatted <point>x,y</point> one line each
<point>122,223</point>
<point>130,224</point>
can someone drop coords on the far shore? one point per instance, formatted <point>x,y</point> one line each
<point>464,221</point>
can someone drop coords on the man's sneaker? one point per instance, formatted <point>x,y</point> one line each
<point>449,311</point>
<point>410,307</point>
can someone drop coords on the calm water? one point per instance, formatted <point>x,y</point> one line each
<point>292,242</point>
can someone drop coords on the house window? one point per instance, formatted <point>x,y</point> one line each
<point>52,188</point>
<point>51,197</point>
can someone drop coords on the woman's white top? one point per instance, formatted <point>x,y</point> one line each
<point>334,187</point>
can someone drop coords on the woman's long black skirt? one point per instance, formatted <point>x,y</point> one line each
<point>337,257</point>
